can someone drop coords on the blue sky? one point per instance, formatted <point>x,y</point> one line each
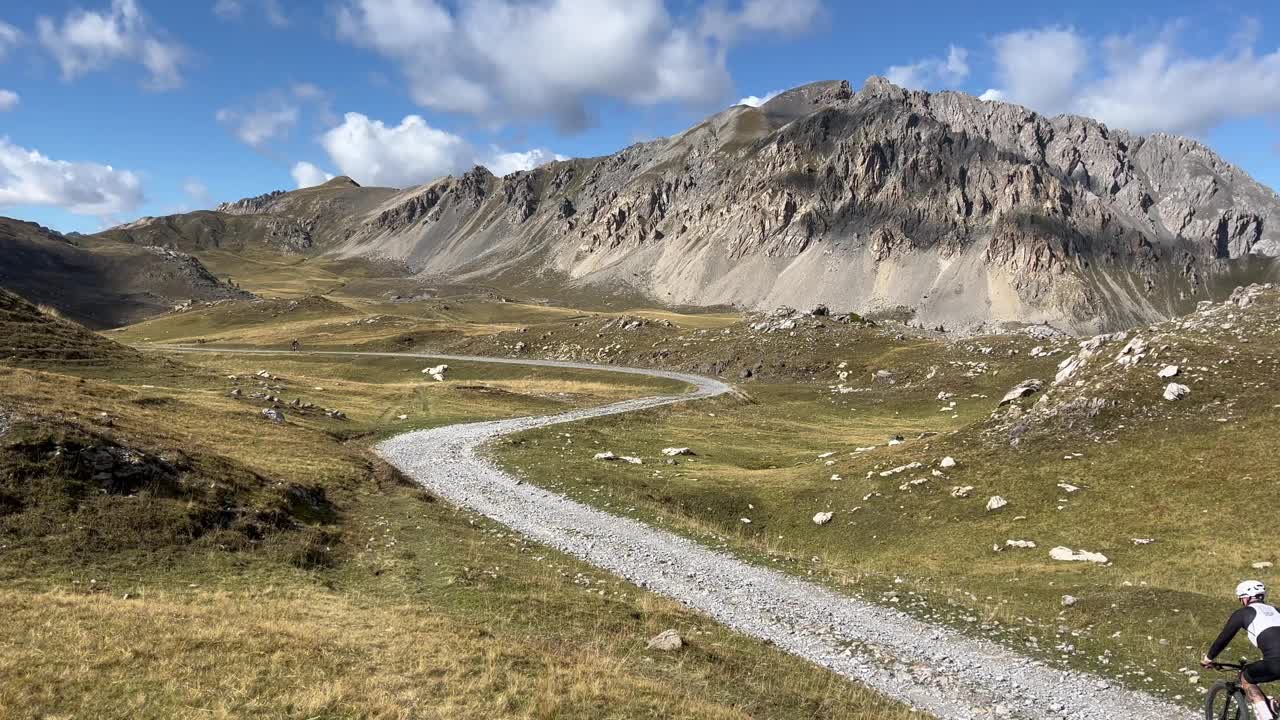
<point>112,109</point>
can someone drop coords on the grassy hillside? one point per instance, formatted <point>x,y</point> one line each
<point>1172,492</point>
<point>171,553</point>
<point>101,284</point>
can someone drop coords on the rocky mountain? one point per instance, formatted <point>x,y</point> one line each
<point>302,221</point>
<point>97,283</point>
<point>962,212</point>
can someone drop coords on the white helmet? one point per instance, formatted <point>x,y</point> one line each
<point>1250,588</point>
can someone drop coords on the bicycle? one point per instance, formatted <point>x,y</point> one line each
<point>1226,699</point>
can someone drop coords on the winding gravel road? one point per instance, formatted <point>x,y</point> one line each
<point>930,667</point>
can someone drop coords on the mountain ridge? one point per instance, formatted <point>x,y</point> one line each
<point>966,213</point>
<point>99,284</point>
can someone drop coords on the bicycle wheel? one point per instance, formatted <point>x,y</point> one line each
<point>1226,701</point>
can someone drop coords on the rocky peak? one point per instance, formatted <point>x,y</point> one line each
<point>342,181</point>
<point>252,205</point>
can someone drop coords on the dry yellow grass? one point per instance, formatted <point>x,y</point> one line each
<point>423,611</point>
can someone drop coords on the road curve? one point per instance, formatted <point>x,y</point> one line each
<point>931,667</point>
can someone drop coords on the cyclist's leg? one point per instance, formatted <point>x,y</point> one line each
<point>1254,675</point>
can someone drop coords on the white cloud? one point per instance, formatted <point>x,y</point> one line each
<point>259,126</point>
<point>10,38</point>
<point>1140,85</point>
<point>272,11</point>
<point>406,154</point>
<point>30,178</point>
<point>88,41</point>
<point>755,101</point>
<point>410,153</point>
<point>784,17</point>
<point>503,59</point>
<point>1040,68</point>
<point>504,163</point>
<point>271,116</point>
<point>932,73</point>
<point>196,190</point>
<point>1153,86</point>
<point>992,95</point>
<point>228,9</point>
<point>8,100</point>
<point>307,175</point>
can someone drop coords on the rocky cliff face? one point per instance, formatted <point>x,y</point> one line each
<point>967,213</point>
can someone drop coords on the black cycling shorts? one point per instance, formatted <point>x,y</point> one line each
<point>1264,671</point>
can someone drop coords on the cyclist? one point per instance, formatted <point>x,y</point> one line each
<point>1262,622</point>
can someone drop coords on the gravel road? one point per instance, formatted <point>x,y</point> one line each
<point>930,667</point>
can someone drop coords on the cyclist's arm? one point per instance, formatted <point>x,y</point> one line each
<point>1238,621</point>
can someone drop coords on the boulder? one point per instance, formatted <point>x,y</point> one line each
<point>1020,543</point>
<point>1132,353</point>
<point>1169,371</point>
<point>437,372</point>
<point>996,502</point>
<point>273,415</point>
<point>1068,600</point>
<point>947,462</point>
<point>1066,554</point>
<point>676,451</point>
<point>606,455</point>
<point>1261,565</point>
<point>630,459</point>
<point>1067,368</point>
<point>961,491</point>
<point>822,518</point>
<point>1023,389</point>
<point>1175,391</point>
<point>667,641</point>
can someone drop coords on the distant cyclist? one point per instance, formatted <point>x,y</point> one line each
<point>1262,622</point>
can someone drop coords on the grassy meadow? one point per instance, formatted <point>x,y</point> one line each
<point>169,553</point>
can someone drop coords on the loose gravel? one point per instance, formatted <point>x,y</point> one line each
<point>930,667</point>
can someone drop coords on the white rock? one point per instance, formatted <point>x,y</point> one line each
<point>606,455</point>
<point>676,451</point>
<point>1169,371</point>
<point>1066,554</point>
<point>961,491</point>
<point>1143,541</point>
<point>1020,543</point>
<point>822,518</point>
<point>1068,487</point>
<point>1067,368</point>
<point>667,641</point>
<point>1174,391</point>
<point>1023,389</point>
<point>630,459</point>
<point>901,468</point>
<point>437,372</point>
<point>824,455</point>
<point>996,502</point>
<point>947,462</point>
<point>1068,600</point>
<point>1261,565</point>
